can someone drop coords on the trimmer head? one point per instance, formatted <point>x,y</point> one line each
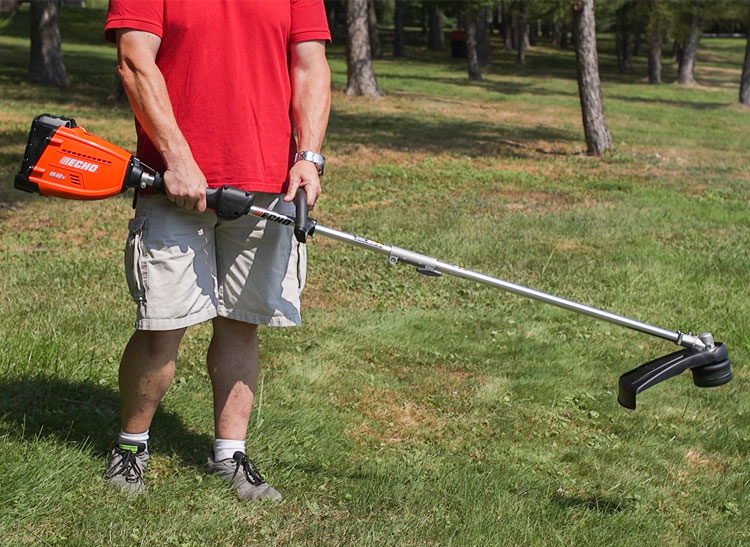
<point>711,367</point>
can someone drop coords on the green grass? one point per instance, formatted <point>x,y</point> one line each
<point>408,410</point>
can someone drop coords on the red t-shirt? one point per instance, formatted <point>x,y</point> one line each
<point>226,65</point>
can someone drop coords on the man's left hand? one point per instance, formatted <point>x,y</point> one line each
<point>304,174</point>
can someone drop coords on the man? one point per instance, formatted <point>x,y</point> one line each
<point>216,87</point>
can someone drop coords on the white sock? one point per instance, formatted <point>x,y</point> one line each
<point>133,438</point>
<point>224,449</point>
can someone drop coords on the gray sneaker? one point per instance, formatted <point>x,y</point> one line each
<point>126,466</point>
<point>240,472</point>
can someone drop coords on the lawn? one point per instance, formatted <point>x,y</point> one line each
<point>411,410</point>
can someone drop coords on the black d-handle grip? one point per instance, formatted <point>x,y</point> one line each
<point>300,222</point>
<point>303,226</point>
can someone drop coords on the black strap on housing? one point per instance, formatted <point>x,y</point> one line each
<point>42,129</point>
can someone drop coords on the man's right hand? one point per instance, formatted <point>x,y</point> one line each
<point>186,185</point>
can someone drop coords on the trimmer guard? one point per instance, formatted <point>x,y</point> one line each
<point>710,367</point>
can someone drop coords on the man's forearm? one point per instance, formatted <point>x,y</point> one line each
<point>149,100</point>
<point>311,94</point>
<point>147,92</point>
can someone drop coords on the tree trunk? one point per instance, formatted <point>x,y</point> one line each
<point>595,127</point>
<point>545,29</point>
<point>472,56</point>
<point>628,53</point>
<point>437,40</point>
<point>399,38</point>
<point>655,43</point>
<point>361,76</point>
<point>556,33</point>
<point>745,84</point>
<point>686,74</point>
<point>564,36</point>
<point>637,44</point>
<point>376,47</point>
<point>483,37</point>
<point>534,32</point>
<point>46,63</point>
<point>623,38</point>
<point>676,50</point>
<point>629,39</point>
<point>507,27</point>
<point>522,32</point>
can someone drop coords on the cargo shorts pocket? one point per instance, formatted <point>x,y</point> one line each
<point>135,269</point>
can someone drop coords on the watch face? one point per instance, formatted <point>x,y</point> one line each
<point>313,157</point>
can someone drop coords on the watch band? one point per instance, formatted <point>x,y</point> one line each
<point>318,159</point>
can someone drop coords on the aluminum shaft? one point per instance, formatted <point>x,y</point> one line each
<point>430,265</point>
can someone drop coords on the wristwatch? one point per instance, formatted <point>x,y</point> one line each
<point>318,159</point>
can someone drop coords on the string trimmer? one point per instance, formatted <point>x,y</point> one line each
<point>64,160</point>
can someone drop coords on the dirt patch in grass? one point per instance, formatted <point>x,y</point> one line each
<point>524,201</point>
<point>317,296</point>
<point>391,418</point>
<point>367,156</point>
<point>710,78</point>
<point>696,463</point>
<point>571,245</point>
<point>696,460</point>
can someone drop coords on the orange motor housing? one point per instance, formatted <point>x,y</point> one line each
<point>66,161</point>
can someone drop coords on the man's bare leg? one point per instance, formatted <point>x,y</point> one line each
<point>146,371</point>
<point>234,365</point>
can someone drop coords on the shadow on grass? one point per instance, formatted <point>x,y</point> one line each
<point>503,87</point>
<point>10,137</point>
<point>61,410</point>
<point>671,102</point>
<point>411,133</point>
<point>600,505</point>
<point>10,163</point>
<point>10,198</point>
<point>92,73</point>
<point>77,25</point>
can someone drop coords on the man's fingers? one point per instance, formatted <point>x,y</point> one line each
<point>291,190</point>
<point>313,193</point>
<point>186,187</point>
<point>200,205</point>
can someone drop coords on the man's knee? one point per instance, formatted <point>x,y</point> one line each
<point>155,343</point>
<point>234,347</point>
<point>233,331</point>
